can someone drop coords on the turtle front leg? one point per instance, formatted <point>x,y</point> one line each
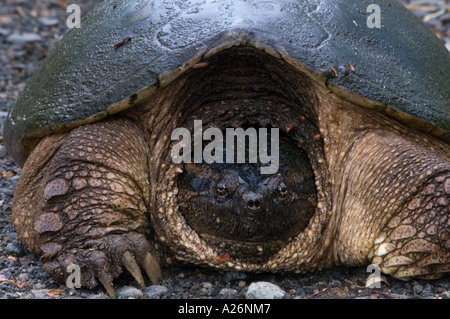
<point>399,216</point>
<point>416,242</point>
<point>83,198</point>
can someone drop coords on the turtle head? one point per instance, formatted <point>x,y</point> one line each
<point>244,213</point>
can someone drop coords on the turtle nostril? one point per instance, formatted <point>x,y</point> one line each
<point>254,204</point>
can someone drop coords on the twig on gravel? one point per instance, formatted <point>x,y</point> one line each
<point>436,14</point>
<point>21,12</point>
<point>420,7</point>
<point>316,293</point>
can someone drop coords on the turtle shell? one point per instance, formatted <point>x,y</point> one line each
<point>125,50</point>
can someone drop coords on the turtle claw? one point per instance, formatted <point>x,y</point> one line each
<point>107,282</point>
<point>133,268</point>
<point>149,263</point>
<point>152,268</point>
<point>104,259</point>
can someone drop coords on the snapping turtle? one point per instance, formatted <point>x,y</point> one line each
<point>362,115</point>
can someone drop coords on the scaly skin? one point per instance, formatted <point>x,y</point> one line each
<point>402,199</point>
<point>105,195</point>
<point>89,206</point>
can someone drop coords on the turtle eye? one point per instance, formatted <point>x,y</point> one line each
<point>282,192</point>
<point>225,187</point>
<point>221,189</point>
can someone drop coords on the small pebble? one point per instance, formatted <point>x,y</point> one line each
<point>232,276</point>
<point>155,291</point>
<point>39,286</point>
<point>40,293</point>
<point>265,290</point>
<point>4,32</point>
<point>427,290</point>
<point>7,191</point>
<point>17,38</point>
<point>2,152</point>
<point>128,292</point>
<point>49,21</point>
<point>206,286</point>
<point>417,288</point>
<point>445,294</point>
<point>12,236</point>
<point>24,277</point>
<point>11,295</point>
<point>15,249</point>
<point>228,293</point>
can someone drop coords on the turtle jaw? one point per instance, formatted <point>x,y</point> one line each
<point>247,234</point>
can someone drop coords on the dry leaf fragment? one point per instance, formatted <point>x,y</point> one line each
<point>351,66</point>
<point>9,175</point>
<point>122,42</point>
<point>62,4</point>
<point>7,280</point>
<point>223,258</point>
<point>200,65</point>
<point>22,284</point>
<point>335,72</point>
<point>55,293</point>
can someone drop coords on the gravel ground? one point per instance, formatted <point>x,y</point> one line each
<point>28,30</point>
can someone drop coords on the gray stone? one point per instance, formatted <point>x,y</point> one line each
<point>4,32</point>
<point>206,287</point>
<point>17,38</point>
<point>445,294</point>
<point>417,287</point>
<point>40,293</point>
<point>232,276</point>
<point>24,277</point>
<point>15,249</point>
<point>155,291</point>
<point>129,292</point>
<point>39,286</point>
<point>265,290</point>
<point>49,21</point>
<point>11,295</point>
<point>7,191</point>
<point>427,290</point>
<point>12,235</point>
<point>228,293</point>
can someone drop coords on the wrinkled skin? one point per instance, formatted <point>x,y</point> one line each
<point>107,196</point>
